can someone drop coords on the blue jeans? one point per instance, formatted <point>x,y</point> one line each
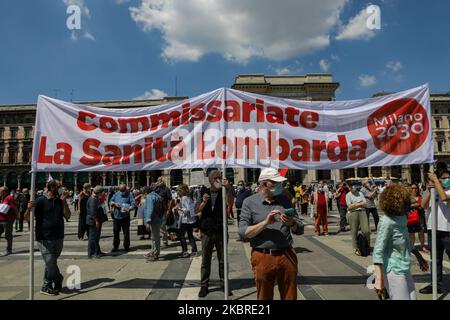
<point>51,250</point>
<point>442,244</point>
<point>94,241</point>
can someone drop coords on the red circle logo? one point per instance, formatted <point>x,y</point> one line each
<point>399,127</point>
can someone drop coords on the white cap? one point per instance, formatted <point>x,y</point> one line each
<point>271,174</point>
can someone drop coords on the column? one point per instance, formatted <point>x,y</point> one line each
<point>148,178</point>
<point>90,178</point>
<point>75,181</point>
<point>384,172</point>
<point>20,153</point>
<point>133,179</point>
<point>422,174</point>
<point>370,172</point>
<point>310,177</point>
<point>166,177</point>
<point>406,173</point>
<point>61,178</point>
<point>19,179</point>
<point>187,176</point>
<point>240,174</point>
<point>118,178</point>
<point>104,178</point>
<point>356,172</point>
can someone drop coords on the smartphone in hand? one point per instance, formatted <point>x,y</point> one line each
<point>289,212</point>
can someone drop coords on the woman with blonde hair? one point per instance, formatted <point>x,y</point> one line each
<point>392,251</point>
<point>188,217</point>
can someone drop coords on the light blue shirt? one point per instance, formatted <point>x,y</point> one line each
<point>150,214</point>
<point>119,199</point>
<point>392,247</point>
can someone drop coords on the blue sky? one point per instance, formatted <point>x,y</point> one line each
<point>123,53</point>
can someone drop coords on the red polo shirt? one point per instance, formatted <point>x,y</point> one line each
<point>10,216</point>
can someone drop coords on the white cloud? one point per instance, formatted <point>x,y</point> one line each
<point>88,36</point>
<point>152,95</point>
<point>356,28</point>
<point>80,3</point>
<point>335,57</point>
<point>324,65</point>
<point>283,71</point>
<point>238,29</point>
<point>394,66</point>
<point>121,1</point>
<point>367,80</point>
<point>73,36</point>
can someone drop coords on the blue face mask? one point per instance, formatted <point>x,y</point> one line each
<point>446,182</point>
<point>277,190</point>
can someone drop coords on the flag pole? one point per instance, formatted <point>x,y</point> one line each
<point>225,232</point>
<point>433,239</point>
<point>31,271</point>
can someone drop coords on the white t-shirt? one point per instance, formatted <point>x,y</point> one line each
<point>443,213</point>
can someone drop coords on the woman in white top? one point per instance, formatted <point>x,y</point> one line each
<point>188,218</point>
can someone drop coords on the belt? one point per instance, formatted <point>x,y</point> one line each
<point>273,252</point>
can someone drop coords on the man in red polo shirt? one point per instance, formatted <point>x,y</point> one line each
<point>8,213</point>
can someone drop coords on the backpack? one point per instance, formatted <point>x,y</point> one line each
<point>363,244</point>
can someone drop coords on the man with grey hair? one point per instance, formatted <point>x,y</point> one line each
<point>94,219</point>
<point>267,219</point>
<point>210,212</point>
<point>123,203</point>
<point>371,194</point>
<point>83,228</point>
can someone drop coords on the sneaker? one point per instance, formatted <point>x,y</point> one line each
<point>153,258</point>
<point>48,292</point>
<point>58,287</point>
<point>429,290</point>
<point>148,254</point>
<point>203,292</point>
<point>195,254</point>
<point>98,256</point>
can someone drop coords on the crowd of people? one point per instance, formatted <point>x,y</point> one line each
<point>268,214</point>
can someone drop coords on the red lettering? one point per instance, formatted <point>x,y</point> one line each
<point>309,119</point>
<point>108,125</point>
<point>233,113</point>
<point>343,149</point>
<point>88,150</point>
<point>215,114</point>
<point>291,113</point>
<point>318,146</point>
<point>303,153</point>
<point>81,122</point>
<point>43,158</point>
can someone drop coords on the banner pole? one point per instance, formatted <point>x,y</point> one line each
<point>31,258</point>
<point>433,239</point>
<point>225,233</point>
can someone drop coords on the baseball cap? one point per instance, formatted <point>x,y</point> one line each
<point>271,174</point>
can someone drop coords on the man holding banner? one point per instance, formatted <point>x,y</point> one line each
<point>210,212</point>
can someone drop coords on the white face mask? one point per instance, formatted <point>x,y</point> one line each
<point>217,184</point>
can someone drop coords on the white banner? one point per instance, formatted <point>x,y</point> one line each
<point>247,130</point>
